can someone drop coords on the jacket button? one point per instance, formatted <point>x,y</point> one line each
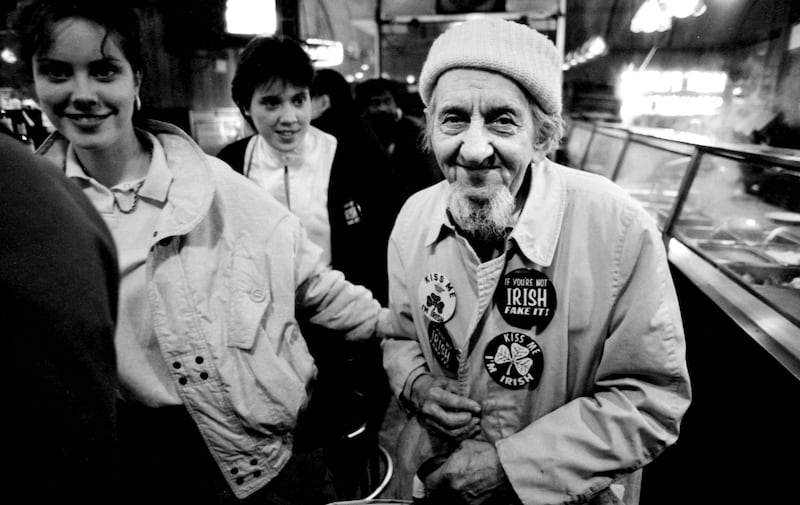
<point>234,471</point>
<point>183,381</point>
<point>203,375</point>
<point>240,480</point>
<point>258,295</point>
<point>257,473</point>
<point>199,360</point>
<point>254,461</point>
<point>176,365</point>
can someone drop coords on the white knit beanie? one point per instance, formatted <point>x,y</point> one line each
<point>512,49</point>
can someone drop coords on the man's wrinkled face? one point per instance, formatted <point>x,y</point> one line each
<point>482,133</point>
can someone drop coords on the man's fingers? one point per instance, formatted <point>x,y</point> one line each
<point>457,432</point>
<point>449,418</point>
<point>451,401</point>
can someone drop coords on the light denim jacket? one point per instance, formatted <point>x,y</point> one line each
<point>228,267</point>
<point>614,383</point>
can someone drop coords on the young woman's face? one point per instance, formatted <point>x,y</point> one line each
<point>281,113</point>
<point>86,86</point>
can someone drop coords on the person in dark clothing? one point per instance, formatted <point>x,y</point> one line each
<point>58,306</point>
<point>412,165</point>
<point>333,110</point>
<point>304,167</point>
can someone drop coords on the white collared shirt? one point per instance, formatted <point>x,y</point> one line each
<point>143,373</point>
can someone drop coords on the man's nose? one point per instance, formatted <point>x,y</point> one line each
<point>476,147</point>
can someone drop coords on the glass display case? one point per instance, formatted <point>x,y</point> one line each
<point>737,207</point>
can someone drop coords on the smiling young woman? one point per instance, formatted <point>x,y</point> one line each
<point>212,367</point>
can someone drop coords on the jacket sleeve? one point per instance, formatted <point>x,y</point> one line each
<point>326,298</point>
<point>402,355</point>
<point>641,390</point>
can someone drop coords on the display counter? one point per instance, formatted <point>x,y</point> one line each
<point>730,216</point>
<point>730,219</point>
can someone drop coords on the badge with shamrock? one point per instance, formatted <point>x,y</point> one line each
<point>514,360</point>
<point>437,297</point>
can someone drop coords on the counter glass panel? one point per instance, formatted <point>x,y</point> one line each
<point>653,176</point>
<point>743,216</point>
<point>577,142</point>
<point>604,153</point>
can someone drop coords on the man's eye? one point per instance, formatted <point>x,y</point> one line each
<point>452,119</point>
<point>504,120</point>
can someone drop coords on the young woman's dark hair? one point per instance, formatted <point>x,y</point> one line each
<point>265,59</point>
<point>34,20</point>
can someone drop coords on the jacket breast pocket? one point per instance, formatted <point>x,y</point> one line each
<point>268,365</point>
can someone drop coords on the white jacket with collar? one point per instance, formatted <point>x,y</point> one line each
<point>227,270</point>
<point>613,384</point>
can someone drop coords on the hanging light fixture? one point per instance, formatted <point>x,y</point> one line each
<point>651,17</point>
<point>656,15</point>
<point>684,8</point>
<point>592,48</point>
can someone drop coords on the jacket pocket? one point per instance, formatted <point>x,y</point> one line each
<point>268,366</point>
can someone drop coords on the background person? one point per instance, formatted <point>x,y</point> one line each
<point>58,305</point>
<point>413,167</point>
<point>212,367</point>
<point>544,354</point>
<point>342,196</point>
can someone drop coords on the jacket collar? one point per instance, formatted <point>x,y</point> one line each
<point>539,225</point>
<point>192,189</point>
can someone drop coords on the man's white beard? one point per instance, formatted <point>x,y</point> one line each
<point>483,214</point>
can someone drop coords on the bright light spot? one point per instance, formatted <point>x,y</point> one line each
<point>324,53</point>
<point>651,17</point>
<point>251,17</point>
<point>349,78</point>
<point>737,91</point>
<point>706,82</point>
<point>684,8</point>
<point>364,67</point>
<point>596,46</point>
<point>359,75</point>
<point>410,79</point>
<point>670,93</point>
<point>8,56</point>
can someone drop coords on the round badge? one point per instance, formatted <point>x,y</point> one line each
<point>442,347</point>
<point>437,297</point>
<point>526,298</point>
<point>514,360</point>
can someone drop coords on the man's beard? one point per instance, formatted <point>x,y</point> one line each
<point>483,214</point>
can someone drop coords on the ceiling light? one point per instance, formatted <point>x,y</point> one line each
<point>684,8</point>
<point>651,17</point>
<point>8,56</point>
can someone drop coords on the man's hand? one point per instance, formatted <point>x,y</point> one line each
<point>441,409</point>
<point>472,475</point>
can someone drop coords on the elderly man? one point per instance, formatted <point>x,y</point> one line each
<point>543,353</point>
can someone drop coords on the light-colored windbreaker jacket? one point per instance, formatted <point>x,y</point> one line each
<point>577,404</point>
<point>228,268</point>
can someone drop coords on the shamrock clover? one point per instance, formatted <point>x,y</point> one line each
<point>517,356</point>
<point>436,302</point>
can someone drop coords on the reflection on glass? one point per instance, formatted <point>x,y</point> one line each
<point>653,177</point>
<point>603,154</point>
